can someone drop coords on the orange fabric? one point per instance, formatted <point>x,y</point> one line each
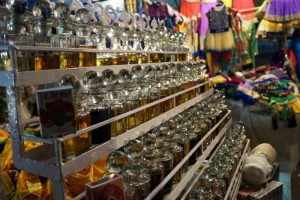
<point>190,9</point>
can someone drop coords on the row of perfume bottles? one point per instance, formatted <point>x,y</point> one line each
<point>215,180</point>
<point>111,95</point>
<point>122,31</point>
<point>145,161</point>
<point>37,61</point>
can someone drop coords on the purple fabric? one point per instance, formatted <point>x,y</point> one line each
<point>205,7</point>
<point>280,74</point>
<point>159,10</point>
<point>283,10</point>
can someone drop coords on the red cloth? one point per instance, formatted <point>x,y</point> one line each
<point>293,59</point>
<point>190,9</point>
<point>244,4</point>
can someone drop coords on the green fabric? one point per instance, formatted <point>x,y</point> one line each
<point>282,100</point>
<point>32,133</point>
<point>253,45</point>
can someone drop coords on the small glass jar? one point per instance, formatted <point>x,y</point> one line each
<point>134,149</point>
<point>166,159</point>
<point>156,171</point>
<point>137,185</point>
<point>185,145</point>
<point>117,162</point>
<point>177,153</point>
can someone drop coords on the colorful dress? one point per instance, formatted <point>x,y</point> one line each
<point>190,8</point>
<point>283,10</point>
<point>219,37</point>
<point>206,5</point>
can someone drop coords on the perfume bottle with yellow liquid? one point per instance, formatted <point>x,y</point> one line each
<point>84,38</point>
<point>80,144</point>
<point>43,35</point>
<point>64,37</point>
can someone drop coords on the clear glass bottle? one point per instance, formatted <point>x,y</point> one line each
<point>136,185</point>
<point>156,171</point>
<point>185,145</point>
<point>64,37</point>
<point>116,162</point>
<point>166,159</point>
<point>84,38</point>
<point>193,140</point>
<point>99,107</point>
<point>16,32</point>
<point>43,36</point>
<point>134,149</point>
<point>177,153</point>
<point>102,30</point>
<point>78,145</point>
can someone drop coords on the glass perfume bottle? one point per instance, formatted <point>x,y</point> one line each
<point>156,171</point>
<point>98,105</point>
<point>64,37</point>
<point>177,153</point>
<point>84,38</point>
<point>102,30</point>
<point>185,145</point>
<point>166,159</point>
<point>116,102</point>
<point>43,36</point>
<point>16,32</point>
<point>137,185</point>
<point>116,162</point>
<point>78,145</point>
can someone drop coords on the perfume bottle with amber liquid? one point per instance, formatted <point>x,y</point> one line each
<point>84,38</point>
<point>64,37</point>
<point>43,36</point>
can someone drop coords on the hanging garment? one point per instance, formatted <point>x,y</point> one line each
<point>190,8</point>
<point>228,3</point>
<point>240,50</point>
<point>219,37</point>
<point>160,10</point>
<point>218,19</point>
<point>283,10</point>
<point>244,4</point>
<point>174,4</point>
<point>221,61</point>
<point>267,28</point>
<point>206,5</point>
<point>220,41</point>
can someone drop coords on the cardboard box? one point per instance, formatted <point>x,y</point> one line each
<point>107,188</point>
<point>270,191</point>
<point>56,111</point>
